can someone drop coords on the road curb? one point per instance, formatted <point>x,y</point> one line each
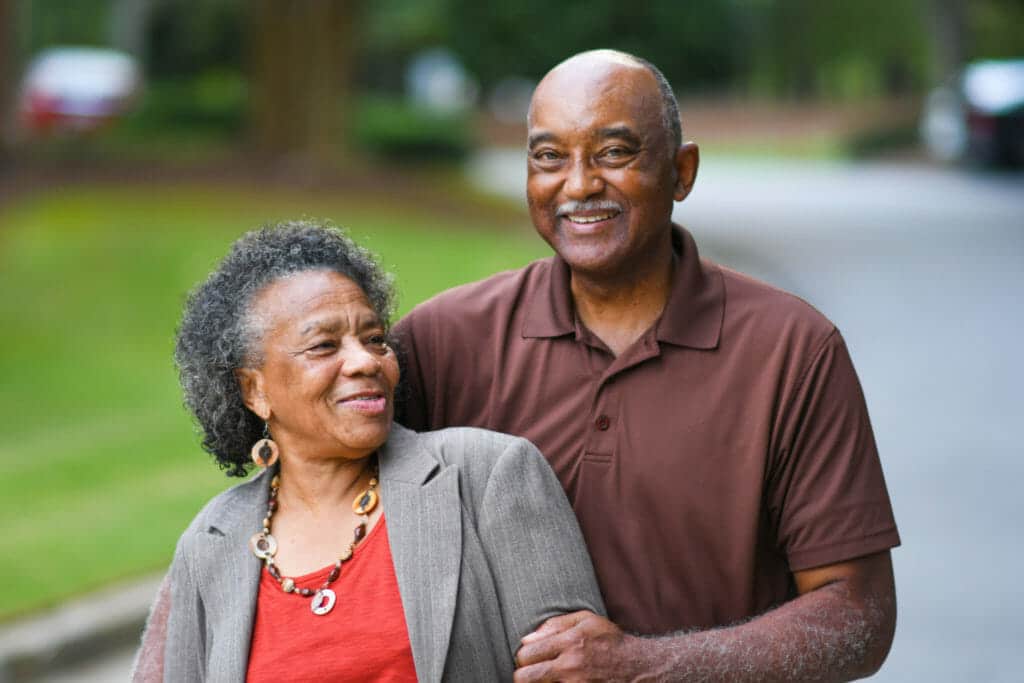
<point>81,630</point>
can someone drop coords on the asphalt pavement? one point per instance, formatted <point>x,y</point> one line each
<point>922,269</point>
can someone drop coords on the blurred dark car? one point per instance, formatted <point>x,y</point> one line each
<point>980,118</point>
<point>77,89</point>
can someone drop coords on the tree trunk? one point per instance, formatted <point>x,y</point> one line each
<point>301,60</point>
<point>8,81</point>
<point>950,36</point>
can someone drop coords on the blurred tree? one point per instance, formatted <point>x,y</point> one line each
<point>996,29</point>
<point>392,32</point>
<point>807,48</point>
<point>289,64</point>
<point>799,48</point>
<point>183,39</point>
<point>949,37</point>
<point>7,79</point>
<point>57,22</point>
<point>301,62</point>
<point>699,44</point>
<point>128,19</point>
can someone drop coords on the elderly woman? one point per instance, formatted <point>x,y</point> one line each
<point>362,551</point>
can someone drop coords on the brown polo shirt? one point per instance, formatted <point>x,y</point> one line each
<point>729,446</point>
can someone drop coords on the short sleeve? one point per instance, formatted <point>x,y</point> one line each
<point>826,493</point>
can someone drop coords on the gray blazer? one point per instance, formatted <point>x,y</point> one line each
<point>483,539</point>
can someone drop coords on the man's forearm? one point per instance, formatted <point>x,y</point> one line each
<point>825,635</point>
<point>838,629</point>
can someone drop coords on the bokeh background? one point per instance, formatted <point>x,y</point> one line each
<point>843,158</point>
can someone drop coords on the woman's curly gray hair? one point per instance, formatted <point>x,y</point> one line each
<point>218,333</point>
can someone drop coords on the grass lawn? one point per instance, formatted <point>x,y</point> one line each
<point>100,465</point>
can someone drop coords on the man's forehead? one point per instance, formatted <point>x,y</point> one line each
<point>595,94</point>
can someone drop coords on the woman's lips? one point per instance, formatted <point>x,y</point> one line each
<point>367,405</point>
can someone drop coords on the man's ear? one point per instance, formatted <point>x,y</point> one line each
<point>250,381</point>
<point>686,162</point>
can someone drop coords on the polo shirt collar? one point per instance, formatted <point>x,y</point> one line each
<point>692,317</point>
<point>549,308</point>
<point>696,303</point>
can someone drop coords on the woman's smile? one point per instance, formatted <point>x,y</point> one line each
<point>370,403</point>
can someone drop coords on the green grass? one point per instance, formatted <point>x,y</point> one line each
<point>100,465</point>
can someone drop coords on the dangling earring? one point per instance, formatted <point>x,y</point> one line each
<point>264,452</point>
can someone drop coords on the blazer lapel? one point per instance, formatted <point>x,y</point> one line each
<point>234,582</point>
<point>424,523</point>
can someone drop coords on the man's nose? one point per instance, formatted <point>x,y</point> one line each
<point>584,180</point>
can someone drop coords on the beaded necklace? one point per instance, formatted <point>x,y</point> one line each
<point>264,546</point>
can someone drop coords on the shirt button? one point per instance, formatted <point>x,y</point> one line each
<point>602,423</point>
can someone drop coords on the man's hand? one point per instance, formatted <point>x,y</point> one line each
<point>576,647</point>
<point>839,628</point>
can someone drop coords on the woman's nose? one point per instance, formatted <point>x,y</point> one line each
<point>359,360</point>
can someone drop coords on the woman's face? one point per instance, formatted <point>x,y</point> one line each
<point>327,383</point>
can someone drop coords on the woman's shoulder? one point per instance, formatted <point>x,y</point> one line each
<point>230,506</point>
<point>470,447</point>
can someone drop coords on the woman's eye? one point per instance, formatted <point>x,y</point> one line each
<point>322,346</point>
<point>379,341</point>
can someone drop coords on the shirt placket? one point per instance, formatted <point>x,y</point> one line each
<point>603,422</point>
<point>606,422</point>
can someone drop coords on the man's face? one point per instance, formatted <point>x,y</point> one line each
<point>602,175</point>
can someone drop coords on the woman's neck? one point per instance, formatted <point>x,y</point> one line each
<point>315,486</point>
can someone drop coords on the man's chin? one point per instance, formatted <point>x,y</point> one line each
<point>592,261</point>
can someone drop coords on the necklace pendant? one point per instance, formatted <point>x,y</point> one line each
<point>323,601</point>
<point>263,545</point>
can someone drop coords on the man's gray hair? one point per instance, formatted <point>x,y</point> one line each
<point>669,104</point>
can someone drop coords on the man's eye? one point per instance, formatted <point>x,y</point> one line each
<point>617,152</point>
<point>322,346</point>
<point>546,155</point>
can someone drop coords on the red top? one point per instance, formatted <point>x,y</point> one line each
<point>364,638</point>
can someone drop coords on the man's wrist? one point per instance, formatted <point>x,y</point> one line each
<point>652,658</point>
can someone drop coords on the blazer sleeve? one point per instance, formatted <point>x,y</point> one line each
<point>148,666</point>
<point>533,544</point>
<point>173,640</point>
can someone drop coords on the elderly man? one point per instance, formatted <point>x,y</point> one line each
<point>708,429</point>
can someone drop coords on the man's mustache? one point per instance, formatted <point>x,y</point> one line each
<point>589,205</point>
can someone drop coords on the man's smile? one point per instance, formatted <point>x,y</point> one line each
<point>586,217</point>
<point>596,218</point>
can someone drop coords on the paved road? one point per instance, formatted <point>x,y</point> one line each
<point>923,271</point>
<point>114,667</point>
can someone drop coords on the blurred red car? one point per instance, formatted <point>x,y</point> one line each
<point>77,89</point>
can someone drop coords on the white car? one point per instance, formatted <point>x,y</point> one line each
<point>77,89</point>
<point>980,116</point>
